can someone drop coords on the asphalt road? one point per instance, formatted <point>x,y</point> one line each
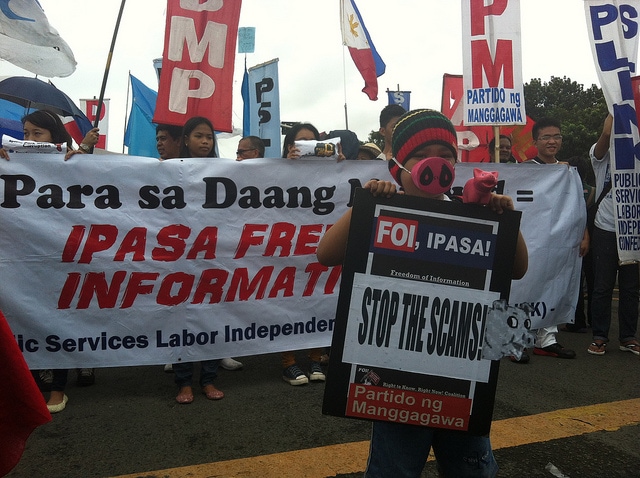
<point>129,424</point>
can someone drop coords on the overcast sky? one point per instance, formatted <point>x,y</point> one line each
<point>419,40</point>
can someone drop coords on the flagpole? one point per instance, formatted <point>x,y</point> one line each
<point>126,110</point>
<point>344,69</point>
<point>106,70</point>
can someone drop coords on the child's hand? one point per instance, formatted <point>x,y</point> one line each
<point>500,203</point>
<point>380,188</point>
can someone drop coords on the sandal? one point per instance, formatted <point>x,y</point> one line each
<point>631,346</point>
<point>212,393</point>
<point>597,347</point>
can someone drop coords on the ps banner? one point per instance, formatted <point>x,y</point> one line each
<point>113,260</point>
<point>419,280</point>
<point>613,32</point>
<point>264,106</point>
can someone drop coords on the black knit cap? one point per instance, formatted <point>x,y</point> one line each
<point>417,129</point>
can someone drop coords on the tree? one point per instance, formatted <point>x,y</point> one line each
<point>581,111</point>
<point>376,138</point>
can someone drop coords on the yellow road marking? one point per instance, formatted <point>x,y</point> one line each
<point>352,457</point>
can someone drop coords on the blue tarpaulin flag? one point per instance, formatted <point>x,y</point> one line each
<point>140,136</point>
<point>30,42</point>
<point>356,37</point>
<point>10,119</point>
<point>246,102</point>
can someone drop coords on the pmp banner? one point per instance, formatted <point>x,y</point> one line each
<point>122,260</point>
<point>198,62</point>
<point>613,31</point>
<point>264,106</point>
<point>492,68</point>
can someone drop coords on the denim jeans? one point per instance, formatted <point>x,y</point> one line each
<point>401,451</point>
<point>183,372</point>
<point>605,269</point>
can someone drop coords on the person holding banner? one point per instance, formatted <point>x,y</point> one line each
<point>168,140</point>
<point>198,141</point>
<point>505,150</point>
<point>44,126</point>
<point>547,138</point>
<point>421,138</point>
<point>368,151</point>
<point>389,116</point>
<point>250,147</point>
<point>606,262</point>
<point>291,371</point>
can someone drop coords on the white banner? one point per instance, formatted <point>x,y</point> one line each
<point>492,65</point>
<point>613,31</point>
<point>114,260</point>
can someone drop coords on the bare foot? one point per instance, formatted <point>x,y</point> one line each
<point>212,393</point>
<point>185,395</point>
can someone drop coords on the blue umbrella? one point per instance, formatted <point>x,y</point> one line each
<point>33,93</point>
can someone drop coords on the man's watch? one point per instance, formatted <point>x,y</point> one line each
<point>84,148</point>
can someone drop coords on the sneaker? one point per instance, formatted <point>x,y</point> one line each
<point>168,368</point>
<point>597,347</point>
<point>294,375</point>
<point>315,372</point>
<point>632,346</point>
<point>46,376</point>
<point>555,350</point>
<point>86,376</point>
<point>524,358</point>
<point>230,364</point>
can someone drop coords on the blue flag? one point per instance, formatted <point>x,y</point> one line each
<point>140,136</point>
<point>10,119</point>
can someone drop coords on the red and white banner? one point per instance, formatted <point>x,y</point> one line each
<point>89,107</point>
<point>119,260</point>
<point>198,62</point>
<point>613,31</point>
<point>492,64</point>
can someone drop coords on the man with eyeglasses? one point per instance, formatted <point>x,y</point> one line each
<point>250,147</point>
<point>547,138</point>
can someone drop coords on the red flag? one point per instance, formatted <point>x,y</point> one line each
<point>198,63</point>
<point>22,406</point>
<point>473,141</point>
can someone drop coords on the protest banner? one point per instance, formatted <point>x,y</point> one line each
<point>419,279</point>
<point>117,260</point>
<point>491,59</point>
<point>613,32</point>
<point>196,78</point>
<point>473,140</point>
<point>264,106</point>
